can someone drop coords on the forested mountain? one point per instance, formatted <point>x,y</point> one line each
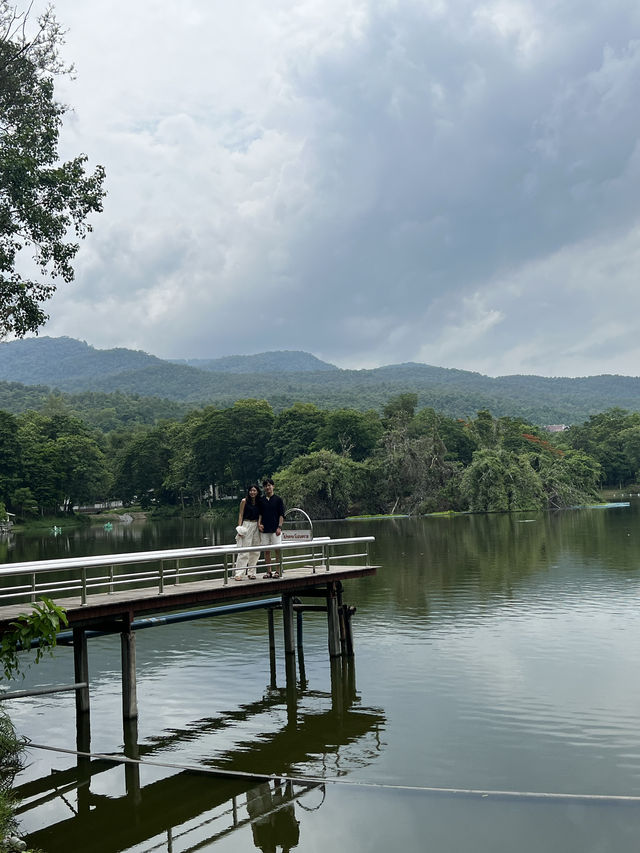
<point>287,361</point>
<point>59,362</point>
<point>104,411</point>
<point>284,378</point>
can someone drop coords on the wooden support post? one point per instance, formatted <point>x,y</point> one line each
<point>299,637</point>
<point>341,620</point>
<point>272,647</point>
<point>129,694</point>
<point>299,631</point>
<point>83,762</point>
<point>291,691</point>
<point>132,771</point>
<point>287,618</point>
<point>348,612</point>
<point>337,687</point>
<point>81,670</point>
<point>333,625</point>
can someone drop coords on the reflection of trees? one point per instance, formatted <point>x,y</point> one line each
<point>482,558</point>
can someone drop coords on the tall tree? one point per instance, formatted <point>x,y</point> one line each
<point>350,432</point>
<point>294,432</point>
<point>501,481</point>
<point>323,483</point>
<point>44,203</point>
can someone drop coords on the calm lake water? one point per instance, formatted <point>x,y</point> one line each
<point>494,653</point>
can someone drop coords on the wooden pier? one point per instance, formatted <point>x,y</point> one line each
<point>117,593</point>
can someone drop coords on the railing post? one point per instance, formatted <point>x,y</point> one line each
<point>226,570</point>
<point>110,579</point>
<point>83,591</point>
<point>161,578</point>
<point>326,557</point>
<point>33,587</point>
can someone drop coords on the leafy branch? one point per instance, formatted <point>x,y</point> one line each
<point>39,629</point>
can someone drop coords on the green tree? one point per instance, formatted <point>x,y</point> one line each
<point>455,434</point>
<point>248,425</point>
<point>630,443</point>
<point>23,501</point>
<point>400,408</point>
<point>500,480</point>
<point>9,455</point>
<point>324,483</point>
<point>143,466</point>
<point>569,479</point>
<point>62,462</point>
<point>230,445</point>
<point>84,475</point>
<point>350,432</point>
<point>44,203</point>
<point>412,473</point>
<point>39,461</point>
<point>293,434</point>
<point>605,438</point>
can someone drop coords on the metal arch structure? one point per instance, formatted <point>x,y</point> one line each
<point>306,534</point>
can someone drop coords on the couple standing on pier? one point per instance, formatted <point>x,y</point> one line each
<point>260,522</point>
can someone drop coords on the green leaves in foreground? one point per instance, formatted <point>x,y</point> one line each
<point>41,626</point>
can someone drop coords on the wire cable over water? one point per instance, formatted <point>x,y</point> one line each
<point>595,799</point>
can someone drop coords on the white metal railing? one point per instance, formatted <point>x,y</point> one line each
<point>86,576</point>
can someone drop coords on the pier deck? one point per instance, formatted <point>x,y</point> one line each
<point>105,594</point>
<point>106,606</point>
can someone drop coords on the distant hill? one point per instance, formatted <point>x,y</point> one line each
<point>60,361</point>
<point>288,361</point>
<point>286,377</point>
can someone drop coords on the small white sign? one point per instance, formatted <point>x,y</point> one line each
<point>297,536</point>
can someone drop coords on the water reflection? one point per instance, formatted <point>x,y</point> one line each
<point>273,817</point>
<point>502,649</point>
<point>154,808</point>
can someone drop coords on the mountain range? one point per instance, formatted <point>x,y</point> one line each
<point>285,377</point>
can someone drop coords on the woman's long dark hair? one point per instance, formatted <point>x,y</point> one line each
<point>253,486</point>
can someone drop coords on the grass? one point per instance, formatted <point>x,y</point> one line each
<point>46,522</point>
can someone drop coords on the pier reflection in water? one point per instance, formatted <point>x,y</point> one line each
<point>184,809</point>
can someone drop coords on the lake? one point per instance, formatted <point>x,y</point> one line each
<point>493,653</point>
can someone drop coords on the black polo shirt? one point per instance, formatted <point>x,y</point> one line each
<point>271,509</point>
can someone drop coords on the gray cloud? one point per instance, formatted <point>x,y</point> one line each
<point>448,182</point>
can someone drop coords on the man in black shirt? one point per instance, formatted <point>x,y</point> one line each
<point>270,522</point>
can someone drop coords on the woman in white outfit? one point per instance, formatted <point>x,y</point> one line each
<point>248,523</point>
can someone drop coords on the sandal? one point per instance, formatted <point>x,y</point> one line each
<point>267,575</point>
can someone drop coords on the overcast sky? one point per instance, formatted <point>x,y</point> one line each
<point>446,181</point>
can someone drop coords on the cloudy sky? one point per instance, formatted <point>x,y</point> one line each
<point>448,181</point>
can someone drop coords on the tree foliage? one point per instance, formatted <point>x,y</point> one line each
<point>41,627</point>
<point>324,483</point>
<point>499,480</point>
<point>406,461</point>
<point>44,203</point>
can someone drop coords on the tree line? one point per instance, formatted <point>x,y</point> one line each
<point>331,462</point>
